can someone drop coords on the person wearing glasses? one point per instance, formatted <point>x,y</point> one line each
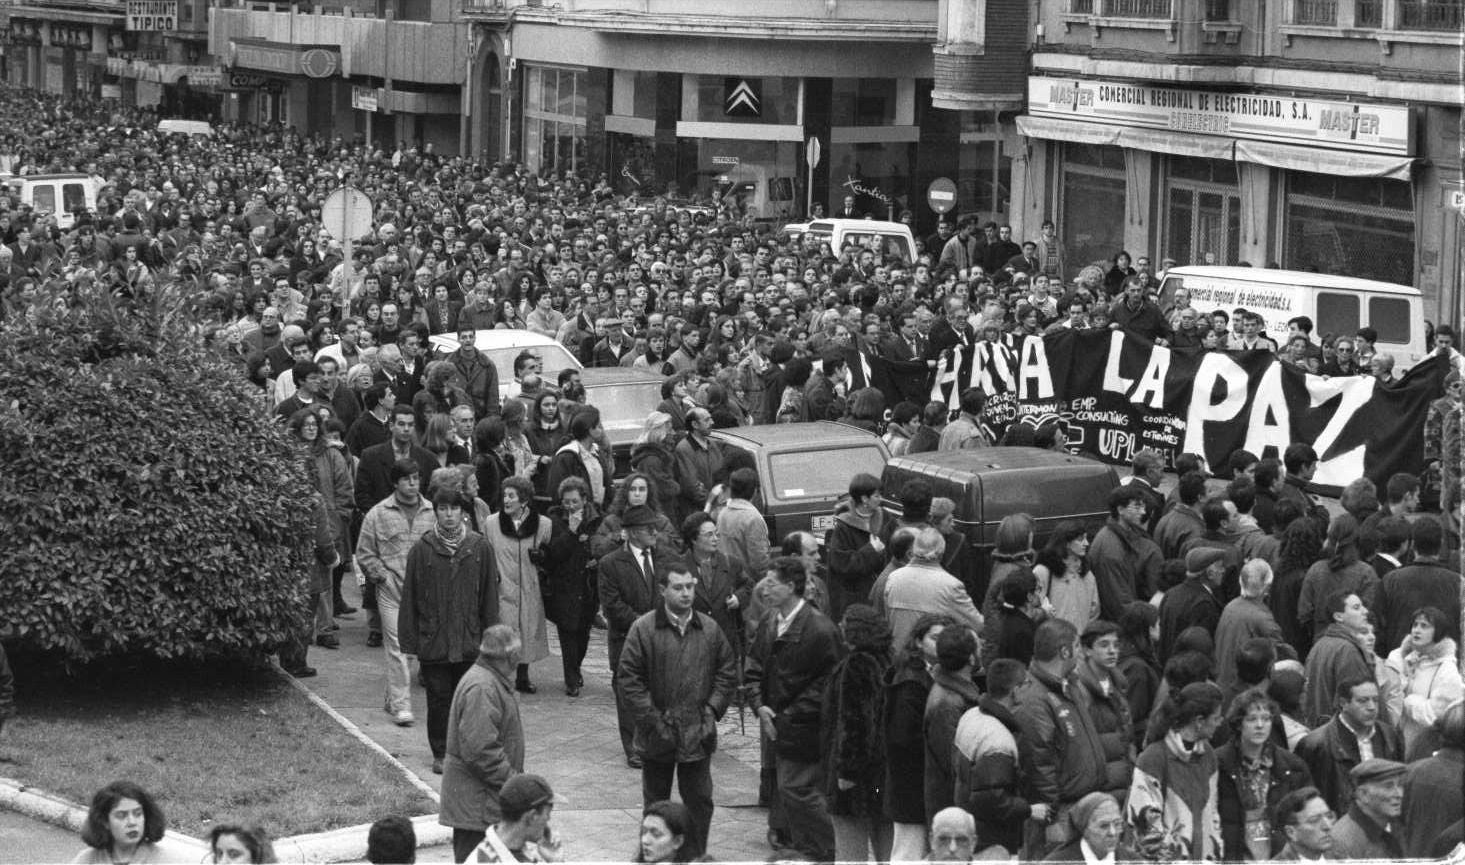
<point>1307,821</point>
<point>1345,358</point>
<point>1123,557</point>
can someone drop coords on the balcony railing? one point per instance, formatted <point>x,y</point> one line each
<point>1368,13</point>
<point>1137,8</point>
<point>1322,13</point>
<point>1430,15</point>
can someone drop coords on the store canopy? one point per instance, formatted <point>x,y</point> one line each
<point>1320,161</point>
<point>1177,143</point>
<point>1054,129</point>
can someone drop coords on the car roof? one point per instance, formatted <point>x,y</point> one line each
<point>964,465</point>
<point>63,176</point>
<point>780,435</point>
<point>1293,278</point>
<point>858,225</point>
<point>606,376</point>
<point>491,339</point>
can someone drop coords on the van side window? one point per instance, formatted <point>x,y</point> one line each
<point>1390,317</point>
<point>1337,313</point>
<point>73,197</point>
<point>44,198</point>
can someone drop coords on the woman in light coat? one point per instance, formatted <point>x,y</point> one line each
<point>518,536</point>
<point>1429,675</point>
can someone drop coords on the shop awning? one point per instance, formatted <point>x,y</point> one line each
<point>1055,129</point>
<point>1320,161</point>
<point>1177,143</point>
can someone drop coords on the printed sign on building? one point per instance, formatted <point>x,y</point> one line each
<point>744,97</point>
<point>152,15</point>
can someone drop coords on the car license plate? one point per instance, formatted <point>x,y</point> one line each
<point>822,523</point>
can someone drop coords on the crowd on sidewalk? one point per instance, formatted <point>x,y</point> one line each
<point>1220,674</point>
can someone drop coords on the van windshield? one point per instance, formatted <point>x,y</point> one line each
<point>884,245</point>
<point>806,474</point>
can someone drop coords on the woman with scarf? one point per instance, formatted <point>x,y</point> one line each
<point>1254,775</point>
<point>582,457</point>
<point>570,576</point>
<point>519,536</point>
<point>1429,677</point>
<point>1173,809</point>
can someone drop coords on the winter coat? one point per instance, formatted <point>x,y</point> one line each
<point>1110,713</point>
<point>1358,836</point>
<point>1287,772</point>
<point>853,734</point>
<point>906,689</point>
<point>1241,620</point>
<point>480,381</point>
<point>386,540</point>
<point>853,562</point>
<point>696,464</point>
<point>1126,565</point>
<point>1063,755</point>
<point>1432,799</point>
<point>485,749</point>
<point>1175,794</point>
<point>720,579</point>
<point>1331,752</point>
<point>1422,583</point>
<point>657,462</point>
<point>677,685</point>
<point>448,599</point>
<point>920,588</point>
<point>1176,527</point>
<point>1321,582</point>
<point>569,578</point>
<point>1337,657</point>
<point>521,598</point>
<point>1193,602</point>
<point>988,783</point>
<point>569,461</point>
<point>1142,677</point>
<point>788,674</point>
<point>1430,681</point>
<point>951,696</point>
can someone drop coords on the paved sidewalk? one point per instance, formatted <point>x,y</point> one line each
<point>572,742</point>
<point>24,839</point>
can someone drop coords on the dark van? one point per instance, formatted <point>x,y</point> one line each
<point>988,484</point>
<point>803,469</point>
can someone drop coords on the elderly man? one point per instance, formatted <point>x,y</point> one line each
<point>485,744</point>
<point>1307,822</point>
<point>627,580</point>
<point>923,586</point>
<point>1371,829</point>
<point>1244,618</point>
<point>954,839</point>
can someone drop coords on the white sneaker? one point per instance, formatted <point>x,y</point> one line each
<point>404,718</point>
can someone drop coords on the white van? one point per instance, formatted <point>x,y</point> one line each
<point>1339,305</point>
<point>887,238</point>
<point>753,190</point>
<point>61,194</point>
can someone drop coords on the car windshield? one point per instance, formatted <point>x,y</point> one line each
<point>807,474</point>
<point>553,357</point>
<point>624,406</point>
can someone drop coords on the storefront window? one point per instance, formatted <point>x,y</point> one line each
<point>633,163</point>
<point>1203,219</point>
<point>876,174</point>
<point>554,119</point>
<point>777,99</point>
<point>750,178</point>
<point>863,102</point>
<point>1352,226</point>
<point>1092,221</point>
<point>984,180</point>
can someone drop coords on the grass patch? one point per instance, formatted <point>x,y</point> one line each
<point>214,744</point>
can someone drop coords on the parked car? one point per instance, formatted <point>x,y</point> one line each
<point>65,195</point>
<point>988,484</point>
<point>804,468</point>
<point>886,238</point>
<point>501,347</point>
<point>625,397</point>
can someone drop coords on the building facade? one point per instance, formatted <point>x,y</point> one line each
<point>1311,134</point>
<point>786,105</point>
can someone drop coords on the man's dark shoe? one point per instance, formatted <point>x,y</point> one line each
<point>437,765</point>
<point>374,640</point>
<point>343,609</point>
<point>524,686</point>
<point>301,672</point>
<point>328,641</point>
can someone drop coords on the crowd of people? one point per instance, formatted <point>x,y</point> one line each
<point>1223,673</point>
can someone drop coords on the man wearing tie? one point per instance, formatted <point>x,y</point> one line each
<point>906,360</point>
<point>627,591</point>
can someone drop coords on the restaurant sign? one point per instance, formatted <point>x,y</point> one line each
<point>1358,126</point>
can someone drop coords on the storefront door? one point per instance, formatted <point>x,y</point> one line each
<point>1204,224</point>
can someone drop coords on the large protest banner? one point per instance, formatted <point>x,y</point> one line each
<point>1117,394</point>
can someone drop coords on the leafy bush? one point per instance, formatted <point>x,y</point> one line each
<point>148,505</point>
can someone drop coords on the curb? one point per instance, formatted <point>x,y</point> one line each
<point>40,805</point>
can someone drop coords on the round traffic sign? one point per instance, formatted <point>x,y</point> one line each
<point>812,152</point>
<point>347,214</point>
<point>941,195</point>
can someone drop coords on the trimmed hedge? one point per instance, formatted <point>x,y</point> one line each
<point>147,503</point>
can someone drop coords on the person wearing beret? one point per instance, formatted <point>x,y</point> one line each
<point>1372,829</point>
<point>1195,601</point>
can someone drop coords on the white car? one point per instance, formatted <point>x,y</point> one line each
<point>501,347</point>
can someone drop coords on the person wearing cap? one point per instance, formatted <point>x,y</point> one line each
<point>627,582</point>
<point>523,834</point>
<point>611,350</point>
<point>485,741</point>
<point>1372,828</point>
<point>677,675</point>
<point>1194,601</point>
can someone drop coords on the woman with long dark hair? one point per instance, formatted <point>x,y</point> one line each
<point>907,684</point>
<point>1064,578</point>
<point>230,843</point>
<point>1139,627</point>
<point>570,576</point>
<point>665,835</point>
<point>854,738</point>
<point>1173,806</point>
<point>125,825</point>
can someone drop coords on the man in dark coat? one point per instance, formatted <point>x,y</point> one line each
<point>1139,315</point>
<point>1371,829</point>
<point>678,674</point>
<point>1333,750</point>
<point>1125,562</point>
<point>789,665</point>
<point>1337,655</point>
<point>450,595</point>
<point>1426,582</point>
<point>480,379</point>
<point>1193,602</point>
<point>984,753</point>
<point>1433,797</point>
<point>856,553</point>
<point>374,472</point>
<point>1098,673</point>
<point>952,694</point>
<point>628,591</point>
